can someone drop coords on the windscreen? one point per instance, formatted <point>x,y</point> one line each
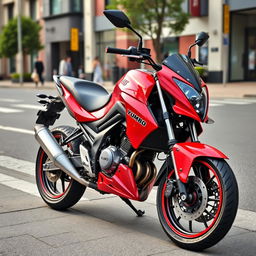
<point>182,65</point>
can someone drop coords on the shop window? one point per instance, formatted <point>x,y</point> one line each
<point>104,39</point>
<point>10,8</point>
<point>198,8</point>
<point>55,7</point>
<point>107,2</point>
<point>203,54</point>
<point>170,46</point>
<point>76,6</point>
<point>12,67</point>
<point>32,9</point>
<point>33,57</point>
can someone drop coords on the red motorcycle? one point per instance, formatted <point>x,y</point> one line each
<point>119,135</point>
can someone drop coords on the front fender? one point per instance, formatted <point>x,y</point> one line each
<point>185,153</point>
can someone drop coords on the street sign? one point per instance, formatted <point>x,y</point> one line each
<point>226,19</point>
<point>74,39</point>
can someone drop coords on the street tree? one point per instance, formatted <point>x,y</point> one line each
<point>30,37</point>
<point>152,16</point>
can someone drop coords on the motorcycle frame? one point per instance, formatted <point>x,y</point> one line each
<point>132,97</point>
<point>128,106</point>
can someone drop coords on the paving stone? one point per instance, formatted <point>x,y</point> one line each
<point>23,245</point>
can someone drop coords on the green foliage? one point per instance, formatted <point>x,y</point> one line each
<point>30,37</point>
<point>202,71</point>
<point>26,77</point>
<point>151,16</point>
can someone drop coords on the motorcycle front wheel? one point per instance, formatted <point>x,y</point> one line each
<point>207,216</point>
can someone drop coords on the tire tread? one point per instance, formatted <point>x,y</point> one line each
<point>230,196</point>
<point>76,190</point>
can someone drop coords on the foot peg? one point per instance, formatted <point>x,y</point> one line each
<point>129,203</point>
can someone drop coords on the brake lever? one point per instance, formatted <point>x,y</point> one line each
<point>133,56</point>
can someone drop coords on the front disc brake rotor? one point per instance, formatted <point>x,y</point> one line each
<point>192,211</point>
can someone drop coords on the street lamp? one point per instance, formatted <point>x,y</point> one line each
<point>20,43</point>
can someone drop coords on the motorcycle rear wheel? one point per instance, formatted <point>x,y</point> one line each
<point>57,189</point>
<point>206,219</point>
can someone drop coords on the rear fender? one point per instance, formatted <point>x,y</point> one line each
<point>185,153</point>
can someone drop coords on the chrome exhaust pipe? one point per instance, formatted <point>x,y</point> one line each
<point>56,153</point>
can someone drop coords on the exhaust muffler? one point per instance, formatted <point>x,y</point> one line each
<point>56,153</point>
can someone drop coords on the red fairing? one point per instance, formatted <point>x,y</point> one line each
<point>182,105</point>
<point>137,131</point>
<point>138,84</point>
<point>135,88</point>
<point>121,184</point>
<point>185,153</point>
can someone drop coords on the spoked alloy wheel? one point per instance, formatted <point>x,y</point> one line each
<point>207,216</point>
<point>54,183</point>
<point>56,188</point>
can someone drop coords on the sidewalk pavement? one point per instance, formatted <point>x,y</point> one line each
<point>101,226</point>
<point>229,90</point>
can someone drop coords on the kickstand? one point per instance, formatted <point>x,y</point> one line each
<point>128,202</point>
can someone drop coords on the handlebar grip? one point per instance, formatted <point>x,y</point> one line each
<point>117,51</point>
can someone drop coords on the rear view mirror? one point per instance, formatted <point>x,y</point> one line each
<point>201,38</point>
<point>117,18</point>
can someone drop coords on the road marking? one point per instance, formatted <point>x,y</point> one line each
<point>10,110</point>
<point>21,166</point>
<point>245,219</point>
<point>152,196</point>
<point>21,185</point>
<point>232,101</point>
<point>29,106</point>
<point>14,129</point>
<point>215,104</point>
<point>10,100</point>
<point>17,165</point>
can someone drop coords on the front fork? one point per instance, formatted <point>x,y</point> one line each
<point>171,139</point>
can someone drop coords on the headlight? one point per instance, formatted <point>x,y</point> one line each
<point>198,101</point>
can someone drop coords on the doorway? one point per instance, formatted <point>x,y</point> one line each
<point>250,54</point>
<point>242,55</point>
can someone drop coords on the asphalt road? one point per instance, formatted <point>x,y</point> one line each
<point>233,133</point>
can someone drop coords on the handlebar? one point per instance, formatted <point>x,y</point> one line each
<point>136,55</point>
<point>118,51</point>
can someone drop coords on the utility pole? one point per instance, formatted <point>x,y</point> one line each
<point>20,43</point>
<point>225,47</point>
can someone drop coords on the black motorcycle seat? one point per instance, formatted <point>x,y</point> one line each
<point>90,96</point>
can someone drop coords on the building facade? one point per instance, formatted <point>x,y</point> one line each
<point>100,33</point>
<point>242,50</point>
<point>9,10</point>
<point>61,18</point>
<point>230,54</point>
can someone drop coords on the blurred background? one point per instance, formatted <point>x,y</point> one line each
<point>49,33</point>
<point>78,29</point>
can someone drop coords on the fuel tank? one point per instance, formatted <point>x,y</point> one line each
<point>135,88</point>
<point>138,84</point>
